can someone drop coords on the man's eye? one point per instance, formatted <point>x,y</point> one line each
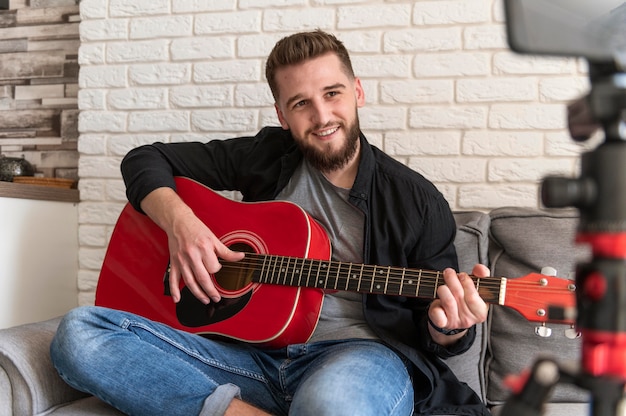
<point>299,104</point>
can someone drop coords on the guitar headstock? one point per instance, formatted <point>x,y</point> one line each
<point>541,298</point>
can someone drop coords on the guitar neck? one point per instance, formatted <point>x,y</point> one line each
<point>361,278</point>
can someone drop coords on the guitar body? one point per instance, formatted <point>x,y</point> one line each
<point>134,276</point>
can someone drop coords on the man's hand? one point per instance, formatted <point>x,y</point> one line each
<point>458,305</point>
<point>194,249</point>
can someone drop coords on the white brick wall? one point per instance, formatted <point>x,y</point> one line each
<point>444,93</point>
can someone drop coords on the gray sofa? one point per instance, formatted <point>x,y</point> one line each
<point>512,241</point>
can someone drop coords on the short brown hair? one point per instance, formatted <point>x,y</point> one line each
<point>299,47</point>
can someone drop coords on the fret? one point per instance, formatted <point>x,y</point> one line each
<point>317,275</point>
<point>419,282</point>
<point>337,276</point>
<point>348,276</point>
<point>286,271</point>
<point>358,287</point>
<point>327,266</point>
<point>436,285</point>
<point>387,280</point>
<point>373,278</point>
<point>402,281</point>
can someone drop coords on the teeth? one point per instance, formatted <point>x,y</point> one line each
<point>327,132</point>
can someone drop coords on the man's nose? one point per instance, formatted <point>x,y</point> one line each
<point>320,113</point>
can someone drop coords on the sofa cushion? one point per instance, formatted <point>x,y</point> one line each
<point>34,385</point>
<point>471,243</point>
<point>523,241</point>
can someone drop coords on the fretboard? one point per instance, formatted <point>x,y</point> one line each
<point>362,278</point>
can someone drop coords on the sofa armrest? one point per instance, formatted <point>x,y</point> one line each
<point>29,384</point>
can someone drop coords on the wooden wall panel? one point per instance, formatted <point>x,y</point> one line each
<point>39,43</point>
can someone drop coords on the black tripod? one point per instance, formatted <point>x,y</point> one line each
<point>600,195</point>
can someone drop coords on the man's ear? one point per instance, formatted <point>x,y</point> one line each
<point>360,92</point>
<point>281,118</point>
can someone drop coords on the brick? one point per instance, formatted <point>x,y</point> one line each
<point>123,8</point>
<point>434,142</point>
<point>457,64</point>
<point>451,12</point>
<point>510,63</point>
<point>91,99</point>
<point>93,9</point>
<point>99,167</point>
<point>100,30</point>
<point>109,76</point>
<point>162,26</point>
<point>382,117</point>
<point>92,144</point>
<point>92,54</point>
<point>140,51</point>
<point>562,144</point>
<point>491,196</point>
<point>361,17</point>
<point>116,191</point>
<point>245,4</point>
<point>416,91</point>
<point>91,189</point>
<point>529,116</point>
<point>297,20</point>
<point>228,71</point>
<point>253,95</point>
<point>91,258</point>
<point>441,117</point>
<point>224,120</point>
<point>230,22</point>
<point>563,88</point>
<point>194,6</point>
<point>257,45</point>
<point>485,37</point>
<point>527,170</point>
<point>496,89</point>
<point>423,40</point>
<point>198,96</point>
<point>160,74</point>
<point>394,66</point>
<point>503,143</point>
<point>137,99</point>
<point>87,283</point>
<point>202,47</point>
<point>101,121</point>
<point>120,145</point>
<point>153,121</point>
<point>443,169</point>
<point>92,235</point>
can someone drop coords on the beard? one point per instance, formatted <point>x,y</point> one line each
<point>325,160</point>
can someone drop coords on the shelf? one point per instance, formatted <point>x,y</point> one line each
<point>45,193</point>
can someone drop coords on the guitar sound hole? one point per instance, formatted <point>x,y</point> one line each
<point>234,276</point>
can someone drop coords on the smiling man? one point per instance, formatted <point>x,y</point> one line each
<point>369,354</point>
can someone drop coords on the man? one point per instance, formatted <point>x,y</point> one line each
<point>369,355</point>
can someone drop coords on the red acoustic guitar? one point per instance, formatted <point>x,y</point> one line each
<point>274,295</point>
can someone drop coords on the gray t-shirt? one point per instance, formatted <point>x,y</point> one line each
<point>342,312</point>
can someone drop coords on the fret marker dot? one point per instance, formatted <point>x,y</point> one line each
<point>377,286</point>
<point>410,282</point>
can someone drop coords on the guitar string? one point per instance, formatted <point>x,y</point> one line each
<point>332,272</point>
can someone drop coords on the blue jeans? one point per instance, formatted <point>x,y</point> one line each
<point>146,368</point>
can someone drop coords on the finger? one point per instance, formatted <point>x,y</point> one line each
<point>480,270</point>
<point>174,283</point>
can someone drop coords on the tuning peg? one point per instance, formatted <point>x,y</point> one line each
<point>572,333</point>
<point>548,271</point>
<point>543,331</point>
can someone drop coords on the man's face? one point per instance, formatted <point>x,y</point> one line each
<point>318,103</point>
